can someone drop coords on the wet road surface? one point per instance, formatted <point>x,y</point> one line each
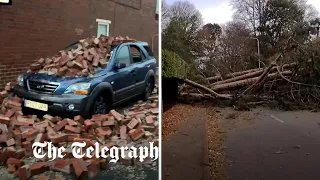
<point>183,153</point>
<point>277,146</point>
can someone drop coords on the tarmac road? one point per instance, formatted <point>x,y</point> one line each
<point>277,146</point>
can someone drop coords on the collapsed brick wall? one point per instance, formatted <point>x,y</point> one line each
<point>33,29</point>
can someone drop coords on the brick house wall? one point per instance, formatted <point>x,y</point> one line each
<point>37,28</point>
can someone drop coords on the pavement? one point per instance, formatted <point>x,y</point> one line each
<point>184,154</point>
<point>277,145</point>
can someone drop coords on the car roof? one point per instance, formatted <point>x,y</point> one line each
<point>142,43</point>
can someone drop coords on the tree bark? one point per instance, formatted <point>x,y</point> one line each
<point>245,82</point>
<point>206,89</point>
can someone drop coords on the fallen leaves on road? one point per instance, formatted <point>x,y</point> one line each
<point>216,147</point>
<point>173,117</point>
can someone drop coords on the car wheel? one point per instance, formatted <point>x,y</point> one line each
<point>100,105</point>
<point>148,89</point>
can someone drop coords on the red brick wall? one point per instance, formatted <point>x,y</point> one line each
<point>36,28</point>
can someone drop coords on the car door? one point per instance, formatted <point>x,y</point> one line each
<point>124,81</point>
<point>143,65</point>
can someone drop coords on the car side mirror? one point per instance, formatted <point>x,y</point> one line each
<point>120,66</point>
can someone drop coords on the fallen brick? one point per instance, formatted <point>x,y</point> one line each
<point>48,117</point>
<point>5,137</point>
<point>88,124</point>
<point>78,65</point>
<point>41,61</point>
<point>4,120</point>
<point>80,167</point>
<point>92,51</point>
<point>84,64</point>
<point>7,88</point>
<point>62,71</point>
<point>9,114</point>
<point>41,125</point>
<point>51,131</point>
<point>116,115</point>
<point>93,168</point>
<point>5,155</point>
<point>98,123</point>
<point>39,168</point>
<point>60,125</point>
<point>98,117</point>
<point>28,121</point>
<point>27,145</point>
<point>39,138</point>
<point>123,132</point>
<point>25,128</point>
<point>103,132</point>
<point>148,134</point>
<point>72,122</point>
<point>64,59</point>
<point>109,122</point>
<point>4,94</point>
<point>16,162</point>
<point>20,123</point>
<point>31,134</point>
<point>72,136</point>
<point>103,163</point>
<point>20,153</point>
<point>96,41</point>
<point>149,120</point>
<point>35,67</point>
<point>58,138</point>
<point>61,166</point>
<point>10,142</point>
<point>72,129</point>
<point>133,123</point>
<point>78,118</point>
<point>48,61</point>
<point>154,110</point>
<point>11,168</point>
<point>137,134</point>
<point>70,64</point>
<point>24,172</point>
<point>103,63</point>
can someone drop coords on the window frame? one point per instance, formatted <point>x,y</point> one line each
<point>140,51</point>
<point>118,52</point>
<point>103,22</point>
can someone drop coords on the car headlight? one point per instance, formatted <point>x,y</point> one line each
<point>78,88</point>
<point>20,80</point>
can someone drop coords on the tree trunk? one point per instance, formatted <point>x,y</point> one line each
<point>212,92</point>
<point>245,82</point>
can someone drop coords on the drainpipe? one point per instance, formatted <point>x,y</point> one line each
<point>153,41</point>
<point>155,35</point>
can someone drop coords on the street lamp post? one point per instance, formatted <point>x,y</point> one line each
<point>258,43</point>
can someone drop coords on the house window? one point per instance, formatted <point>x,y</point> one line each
<point>103,27</point>
<point>157,9</point>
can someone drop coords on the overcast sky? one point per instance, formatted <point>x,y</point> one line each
<point>220,11</point>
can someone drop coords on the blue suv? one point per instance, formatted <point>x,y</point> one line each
<point>128,74</point>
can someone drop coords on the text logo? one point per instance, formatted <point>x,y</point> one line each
<point>81,150</point>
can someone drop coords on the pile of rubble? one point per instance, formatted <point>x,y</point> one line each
<point>91,54</point>
<point>136,126</point>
